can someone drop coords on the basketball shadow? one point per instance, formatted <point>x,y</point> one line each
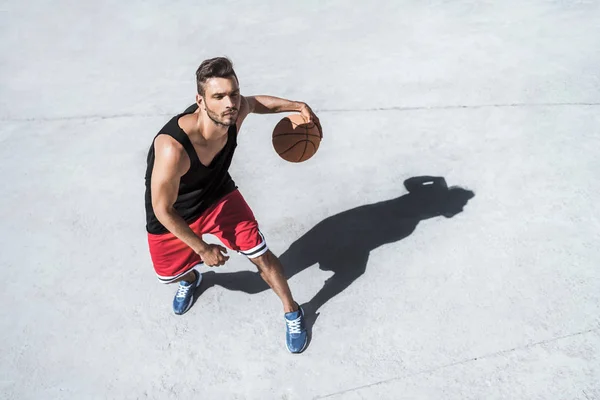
<point>342,243</point>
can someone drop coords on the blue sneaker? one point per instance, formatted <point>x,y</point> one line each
<point>185,295</point>
<point>296,336</point>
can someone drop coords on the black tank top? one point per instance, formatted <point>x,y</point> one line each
<point>201,186</point>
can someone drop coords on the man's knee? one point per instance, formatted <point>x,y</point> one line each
<point>265,261</point>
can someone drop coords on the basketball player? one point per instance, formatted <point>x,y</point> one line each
<point>189,192</point>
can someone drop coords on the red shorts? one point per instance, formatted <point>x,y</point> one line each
<point>231,220</point>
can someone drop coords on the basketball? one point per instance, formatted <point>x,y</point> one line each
<point>296,140</point>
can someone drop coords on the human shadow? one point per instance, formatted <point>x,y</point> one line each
<point>342,243</point>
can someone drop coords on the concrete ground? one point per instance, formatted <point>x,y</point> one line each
<point>501,301</point>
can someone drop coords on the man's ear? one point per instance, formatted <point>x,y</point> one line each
<point>199,100</point>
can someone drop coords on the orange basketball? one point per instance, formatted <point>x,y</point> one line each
<point>296,140</point>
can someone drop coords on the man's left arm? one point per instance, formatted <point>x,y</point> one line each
<point>271,104</point>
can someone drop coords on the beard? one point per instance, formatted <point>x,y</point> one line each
<point>219,121</point>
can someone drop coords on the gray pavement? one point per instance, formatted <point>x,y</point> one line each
<point>501,301</point>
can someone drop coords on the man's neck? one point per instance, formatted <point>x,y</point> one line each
<point>206,129</point>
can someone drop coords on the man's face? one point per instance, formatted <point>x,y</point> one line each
<point>221,100</point>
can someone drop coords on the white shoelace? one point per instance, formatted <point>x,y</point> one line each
<point>294,325</point>
<point>183,290</point>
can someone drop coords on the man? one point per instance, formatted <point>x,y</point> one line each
<point>189,192</point>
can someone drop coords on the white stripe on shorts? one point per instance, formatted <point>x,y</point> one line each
<point>258,250</point>
<point>169,279</point>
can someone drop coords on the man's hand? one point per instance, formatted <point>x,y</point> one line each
<point>270,104</point>
<point>213,256</point>
<point>310,116</point>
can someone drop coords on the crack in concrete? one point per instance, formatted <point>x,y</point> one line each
<point>468,360</point>
<point>86,117</point>
<point>459,107</point>
<point>323,110</point>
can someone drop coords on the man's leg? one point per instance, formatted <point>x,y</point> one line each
<point>175,262</point>
<point>188,278</point>
<point>271,271</point>
<point>233,223</point>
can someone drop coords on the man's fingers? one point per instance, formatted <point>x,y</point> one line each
<point>222,259</point>
<point>218,258</point>
<point>315,120</point>
<point>311,117</point>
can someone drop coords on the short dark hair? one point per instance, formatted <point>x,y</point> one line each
<point>218,67</point>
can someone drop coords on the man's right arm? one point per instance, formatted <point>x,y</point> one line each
<point>170,164</point>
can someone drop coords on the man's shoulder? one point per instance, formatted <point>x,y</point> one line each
<point>172,134</point>
<point>167,145</point>
<point>170,155</point>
